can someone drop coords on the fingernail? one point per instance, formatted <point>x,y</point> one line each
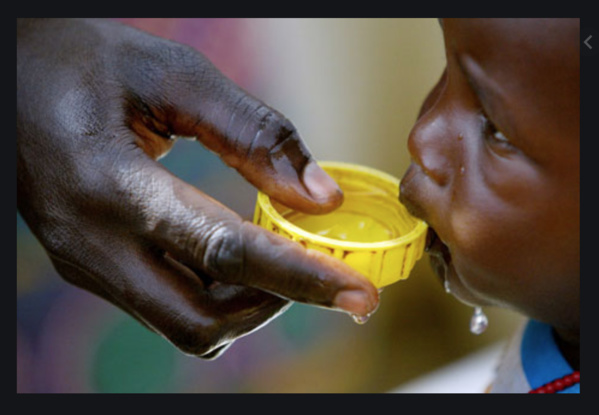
<point>354,302</point>
<point>321,186</point>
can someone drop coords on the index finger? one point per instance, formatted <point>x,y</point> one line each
<point>266,149</point>
<point>194,99</point>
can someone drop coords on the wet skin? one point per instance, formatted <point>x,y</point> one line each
<point>495,169</point>
<point>97,104</point>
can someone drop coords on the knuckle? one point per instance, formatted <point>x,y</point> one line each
<point>224,253</point>
<point>264,120</point>
<point>283,133</point>
<point>281,127</point>
<point>262,131</point>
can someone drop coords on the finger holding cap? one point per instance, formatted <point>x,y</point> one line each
<point>194,99</point>
<point>208,236</point>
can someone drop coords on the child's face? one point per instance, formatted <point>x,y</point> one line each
<point>495,167</point>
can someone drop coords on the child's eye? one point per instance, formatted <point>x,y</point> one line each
<point>493,135</point>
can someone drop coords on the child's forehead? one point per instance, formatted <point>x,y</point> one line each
<point>531,53</point>
<point>527,39</point>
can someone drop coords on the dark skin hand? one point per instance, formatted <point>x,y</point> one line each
<point>97,104</point>
<point>496,169</point>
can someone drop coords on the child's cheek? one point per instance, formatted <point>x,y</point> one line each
<point>481,249</point>
<point>465,230</point>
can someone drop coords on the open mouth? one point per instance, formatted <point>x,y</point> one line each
<point>431,237</point>
<point>435,247</point>
<point>439,256</point>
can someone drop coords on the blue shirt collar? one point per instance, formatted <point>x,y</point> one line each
<point>542,360</point>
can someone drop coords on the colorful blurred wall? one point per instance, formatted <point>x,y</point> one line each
<point>352,87</point>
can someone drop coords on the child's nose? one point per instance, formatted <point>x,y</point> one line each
<point>429,148</point>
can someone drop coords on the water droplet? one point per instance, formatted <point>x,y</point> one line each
<point>446,285</point>
<point>479,321</point>
<point>360,319</point>
<point>175,137</point>
<point>462,170</point>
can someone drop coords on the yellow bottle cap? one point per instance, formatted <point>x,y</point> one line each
<point>371,231</point>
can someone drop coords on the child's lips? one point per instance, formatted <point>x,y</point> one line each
<point>439,256</point>
<point>431,237</point>
<point>434,246</point>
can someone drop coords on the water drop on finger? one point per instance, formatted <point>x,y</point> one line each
<point>360,319</point>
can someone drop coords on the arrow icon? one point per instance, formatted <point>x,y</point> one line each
<point>586,42</point>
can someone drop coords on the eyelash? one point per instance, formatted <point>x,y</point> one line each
<point>491,133</point>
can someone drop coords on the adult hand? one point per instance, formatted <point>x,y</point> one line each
<point>97,104</point>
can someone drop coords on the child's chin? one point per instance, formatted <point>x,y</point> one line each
<point>440,260</point>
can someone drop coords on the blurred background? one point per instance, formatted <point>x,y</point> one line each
<point>352,87</point>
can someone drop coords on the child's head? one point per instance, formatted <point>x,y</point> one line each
<point>495,167</point>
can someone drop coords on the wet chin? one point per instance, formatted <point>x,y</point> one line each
<point>450,281</point>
